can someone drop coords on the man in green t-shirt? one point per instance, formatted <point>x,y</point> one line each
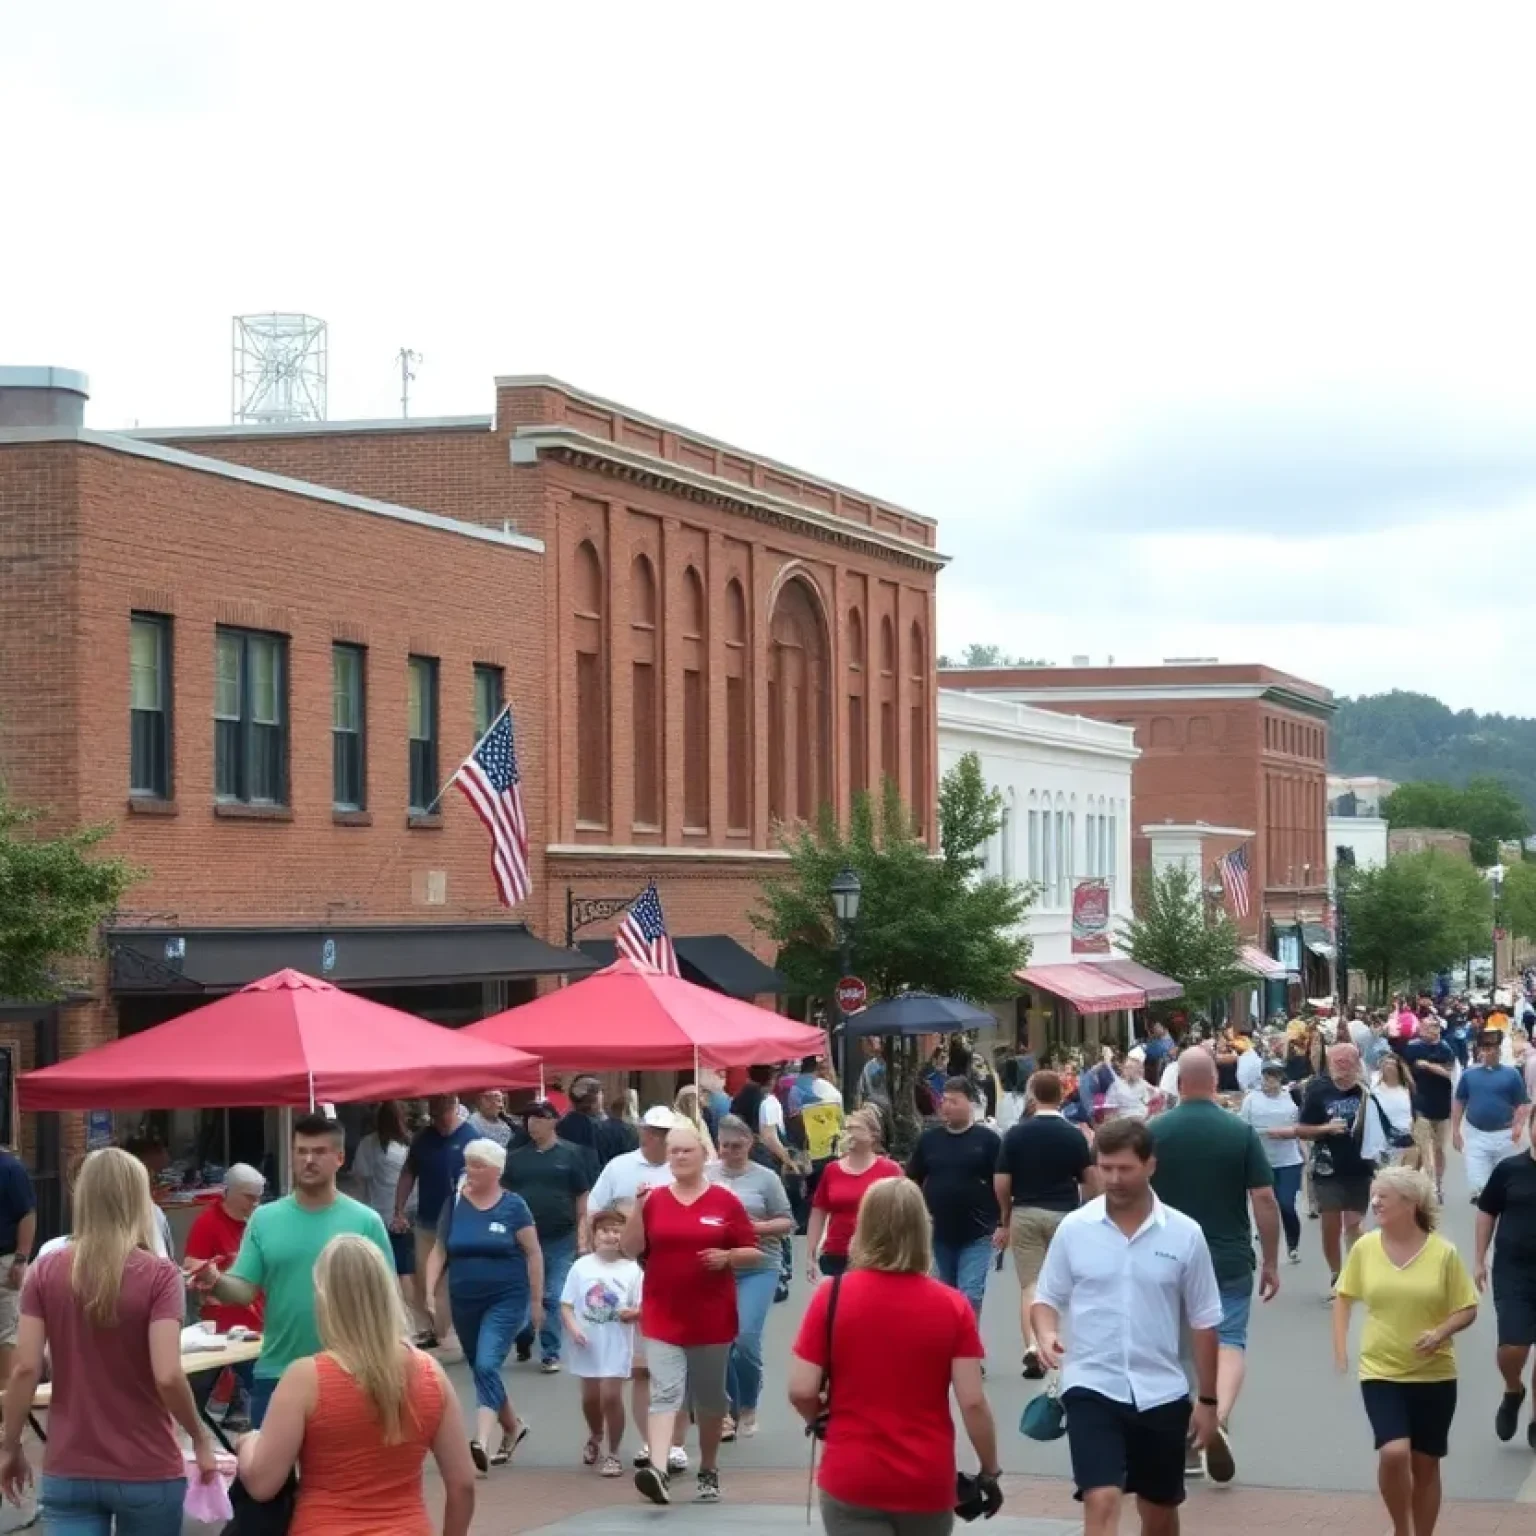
<point>1210,1166</point>
<point>282,1242</point>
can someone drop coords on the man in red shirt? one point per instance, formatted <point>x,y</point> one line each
<point>693,1235</point>
<point>216,1235</point>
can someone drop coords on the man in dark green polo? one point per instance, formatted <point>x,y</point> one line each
<point>1210,1165</point>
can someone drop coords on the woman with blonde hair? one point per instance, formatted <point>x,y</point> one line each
<point>883,1392</point>
<point>842,1185</point>
<point>1418,1296</point>
<point>359,1418</point>
<point>110,1311</point>
<point>687,1107</point>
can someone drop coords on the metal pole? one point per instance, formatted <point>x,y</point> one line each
<point>570,918</point>
<point>840,1038</point>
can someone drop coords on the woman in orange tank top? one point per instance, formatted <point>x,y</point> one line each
<point>359,1419</point>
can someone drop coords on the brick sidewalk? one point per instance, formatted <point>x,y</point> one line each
<point>525,1501</point>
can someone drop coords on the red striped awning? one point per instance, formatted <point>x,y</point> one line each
<point>1253,959</point>
<point>1088,988</point>
<point>1159,988</point>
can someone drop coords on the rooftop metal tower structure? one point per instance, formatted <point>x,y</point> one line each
<point>279,369</point>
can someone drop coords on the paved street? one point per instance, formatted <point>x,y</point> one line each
<point>1299,1428</point>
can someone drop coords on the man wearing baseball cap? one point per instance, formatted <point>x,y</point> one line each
<point>621,1180</point>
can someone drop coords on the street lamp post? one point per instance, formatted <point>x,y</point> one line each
<point>1496,880</point>
<point>847,891</point>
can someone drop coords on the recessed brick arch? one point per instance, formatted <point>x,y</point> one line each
<point>799,702</point>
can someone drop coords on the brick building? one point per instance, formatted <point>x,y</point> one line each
<point>260,654</point>
<point>1237,747</point>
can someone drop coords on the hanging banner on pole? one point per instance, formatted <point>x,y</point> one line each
<point>1090,917</point>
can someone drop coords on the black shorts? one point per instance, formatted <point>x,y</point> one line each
<point>1343,1192</point>
<point>1514,1306</point>
<point>1419,1412</point>
<point>1115,1446</point>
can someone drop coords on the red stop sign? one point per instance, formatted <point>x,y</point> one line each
<point>852,994</point>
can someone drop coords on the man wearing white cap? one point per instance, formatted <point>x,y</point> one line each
<point>619,1182</point>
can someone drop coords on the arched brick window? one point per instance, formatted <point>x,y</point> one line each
<point>858,724</point>
<point>695,705</point>
<point>738,712</point>
<point>645,693</point>
<point>922,789</point>
<point>798,695</point>
<point>888,768</point>
<point>591,687</point>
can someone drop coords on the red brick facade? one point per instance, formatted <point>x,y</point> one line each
<point>687,656</point>
<point>1233,746</point>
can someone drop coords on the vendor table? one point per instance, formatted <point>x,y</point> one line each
<point>194,1361</point>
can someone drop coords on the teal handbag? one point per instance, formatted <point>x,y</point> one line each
<point>1044,1418</point>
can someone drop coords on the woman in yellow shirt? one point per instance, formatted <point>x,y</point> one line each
<point>1417,1295</point>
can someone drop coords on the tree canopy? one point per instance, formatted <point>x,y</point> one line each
<point>1412,737</point>
<point>1173,934</point>
<point>1517,900</point>
<point>54,896</point>
<point>1484,808</point>
<point>1414,916</point>
<point>927,924</point>
<point>988,656</point>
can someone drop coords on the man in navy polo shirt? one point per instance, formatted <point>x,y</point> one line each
<point>433,1168</point>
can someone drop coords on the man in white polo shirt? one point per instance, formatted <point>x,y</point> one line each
<point>1126,1273</point>
<point>647,1165</point>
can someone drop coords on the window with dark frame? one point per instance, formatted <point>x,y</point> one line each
<point>149,706</point>
<point>349,779</point>
<point>422,710</point>
<point>250,712</point>
<point>490,695</point>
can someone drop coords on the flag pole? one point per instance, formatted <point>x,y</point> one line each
<point>448,783</point>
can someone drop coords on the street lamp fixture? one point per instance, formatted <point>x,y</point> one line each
<point>847,891</point>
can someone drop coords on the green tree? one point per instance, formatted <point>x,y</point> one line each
<point>54,896</point>
<point>1486,809</point>
<point>1174,934</point>
<point>1414,916</point>
<point>988,656</point>
<point>927,924</point>
<point>1517,900</point>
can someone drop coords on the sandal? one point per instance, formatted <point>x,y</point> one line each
<point>509,1443</point>
<point>728,1431</point>
<point>611,1467</point>
<point>591,1451</point>
<point>478,1456</point>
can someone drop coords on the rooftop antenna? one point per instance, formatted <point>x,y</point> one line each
<point>405,357</point>
<point>279,369</point>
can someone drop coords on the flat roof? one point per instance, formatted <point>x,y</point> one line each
<point>314,428</point>
<point>177,458</point>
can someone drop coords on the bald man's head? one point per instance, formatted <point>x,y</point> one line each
<point>1197,1075</point>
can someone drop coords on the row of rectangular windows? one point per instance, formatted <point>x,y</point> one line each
<point>250,717</point>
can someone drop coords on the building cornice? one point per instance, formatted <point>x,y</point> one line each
<point>315,428</point>
<point>614,853</point>
<point>582,451</point>
<point>1002,720</point>
<point>177,458</point>
<point>1156,693</point>
<point>657,423</point>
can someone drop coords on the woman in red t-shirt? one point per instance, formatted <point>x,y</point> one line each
<point>841,1187</point>
<point>890,1440</point>
<point>693,1235</point>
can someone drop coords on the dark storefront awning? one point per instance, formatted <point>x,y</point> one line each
<point>421,954</point>
<point>1317,939</point>
<point>711,959</point>
<point>1159,988</point>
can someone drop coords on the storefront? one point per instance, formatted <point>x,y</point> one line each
<point>1078,1004</point>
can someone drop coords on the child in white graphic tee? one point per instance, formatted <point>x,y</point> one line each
<point>599,1306</point>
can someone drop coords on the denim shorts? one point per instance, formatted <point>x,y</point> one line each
<point>1236,1303</point>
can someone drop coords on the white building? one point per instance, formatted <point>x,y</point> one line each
<point>1066,787</point>
<point>1364,836</point>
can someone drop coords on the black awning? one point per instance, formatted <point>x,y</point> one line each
<point>422,954</point>
<point>712,960</point>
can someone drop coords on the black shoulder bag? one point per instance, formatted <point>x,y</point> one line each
<point>817,1428</point>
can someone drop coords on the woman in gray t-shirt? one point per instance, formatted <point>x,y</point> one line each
<point>761,1191</point>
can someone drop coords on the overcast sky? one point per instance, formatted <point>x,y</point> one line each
<point>1202,329</point>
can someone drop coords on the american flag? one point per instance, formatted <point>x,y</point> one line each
<point>643,937</point>
<point>1232,870</point>
<point>493,786</point>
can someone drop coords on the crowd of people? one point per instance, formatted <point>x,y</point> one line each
<point>644,1255</point>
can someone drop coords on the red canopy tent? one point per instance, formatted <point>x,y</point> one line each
<point>631,1018</point>
<point>286,1041</point>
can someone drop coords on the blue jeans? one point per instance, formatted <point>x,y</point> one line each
<point>964,1266</point>
<point>559,1255</point>
<point>262,1388</point>
<point>1287,1187</point>
<point>83,1506</point>
<point>486,1329</point>
<point>744,1373</point>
